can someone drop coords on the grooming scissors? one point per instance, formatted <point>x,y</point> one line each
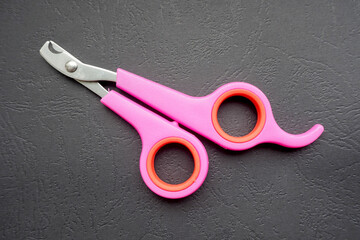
<point>196,113</point>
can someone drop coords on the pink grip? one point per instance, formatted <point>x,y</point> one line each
<point>152,129</point>
<point>196,112</point>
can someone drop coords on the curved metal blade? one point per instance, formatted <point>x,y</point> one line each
<point>87,75</point>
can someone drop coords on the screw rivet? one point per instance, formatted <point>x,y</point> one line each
<point>71,66</point>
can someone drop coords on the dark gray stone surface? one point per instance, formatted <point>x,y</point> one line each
<point>69,166</point>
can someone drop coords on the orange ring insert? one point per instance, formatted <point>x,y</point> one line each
<point>260,109</point>
<point>151,169</point>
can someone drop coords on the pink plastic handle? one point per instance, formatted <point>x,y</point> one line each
<point>154,129</point>
<point>197,113</point>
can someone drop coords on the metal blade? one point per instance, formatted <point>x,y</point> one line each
<point>70,66</point>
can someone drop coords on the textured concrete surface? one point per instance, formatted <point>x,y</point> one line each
<point>69,166</point>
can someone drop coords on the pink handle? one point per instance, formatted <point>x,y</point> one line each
<point>154,129</point>
<point>198,114</point>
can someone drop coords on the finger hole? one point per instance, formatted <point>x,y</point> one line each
<point>260,113</point>
<point>150,165</point>
<point>174,163</point>
<point>237,116</point>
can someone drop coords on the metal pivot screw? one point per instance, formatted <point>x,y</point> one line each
<point>71,66</point>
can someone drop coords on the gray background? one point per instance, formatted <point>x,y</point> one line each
<point>69,166</point>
